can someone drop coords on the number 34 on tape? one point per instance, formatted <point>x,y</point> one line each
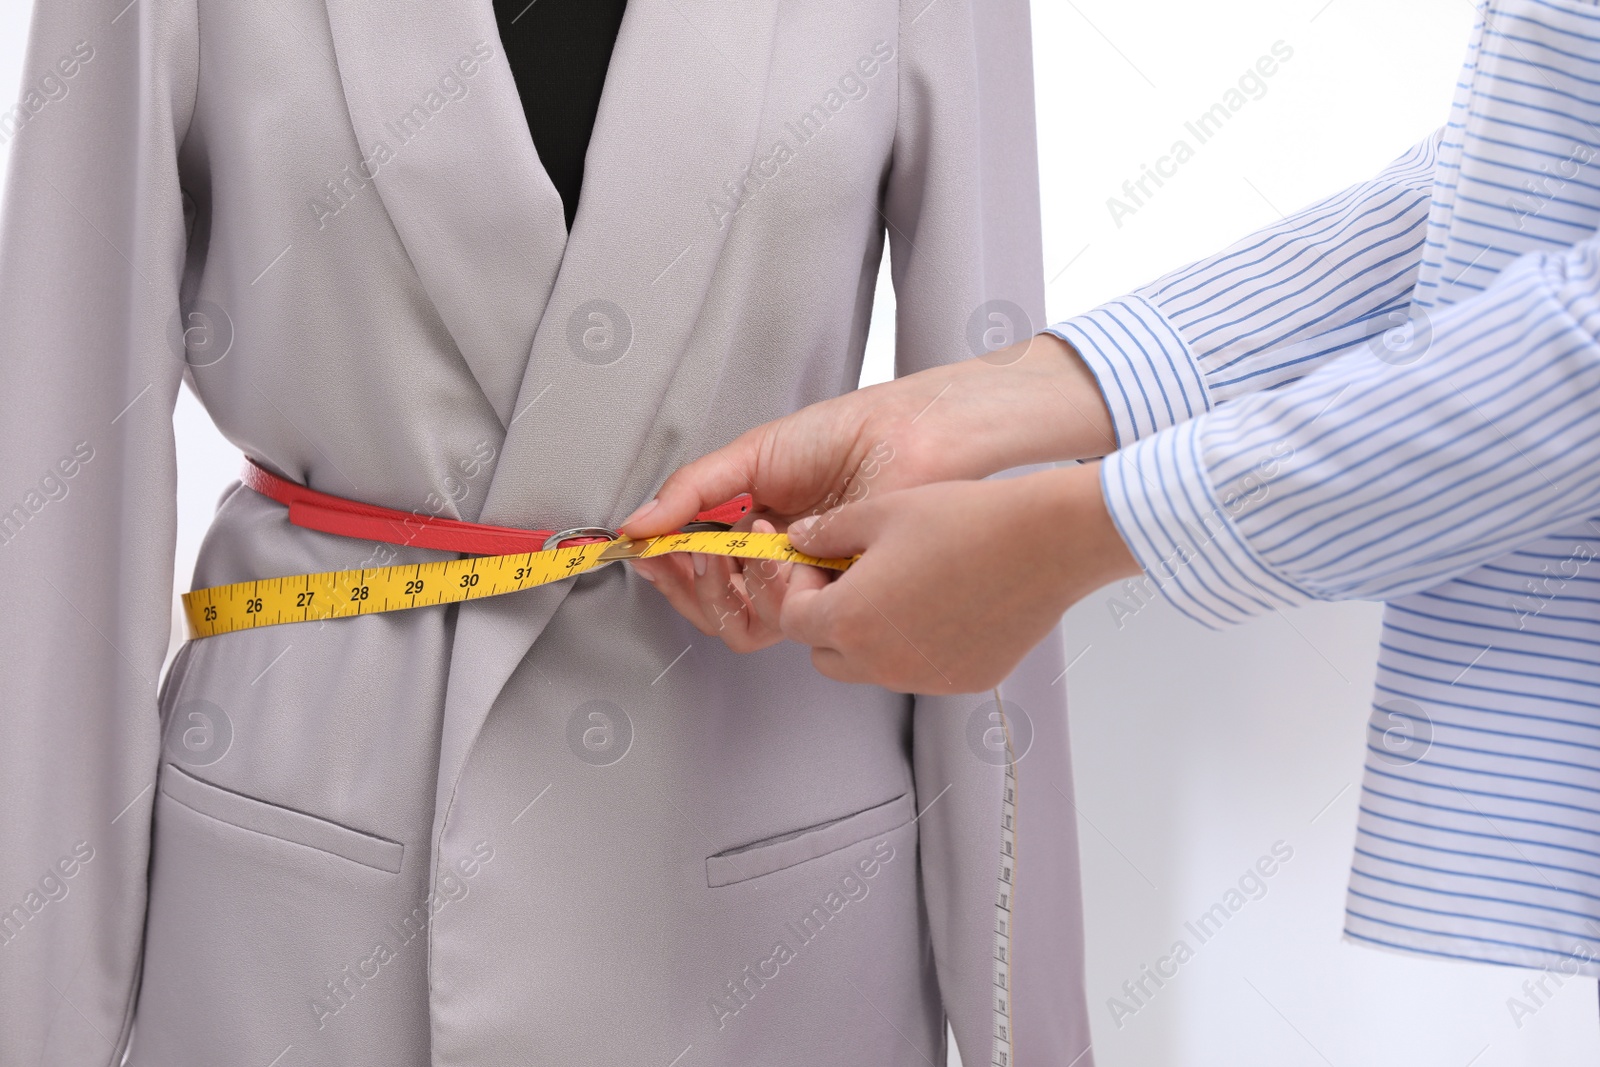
<point>223,609</point>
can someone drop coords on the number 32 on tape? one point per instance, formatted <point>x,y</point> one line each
<point>223,609</point>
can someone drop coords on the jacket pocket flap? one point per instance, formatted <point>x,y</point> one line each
<point>813,842</point>
<point>285,824</point>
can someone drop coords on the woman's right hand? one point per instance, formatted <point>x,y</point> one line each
<point>1034,402</point>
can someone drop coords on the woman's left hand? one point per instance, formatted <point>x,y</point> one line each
<point>955,583</point>
<point>736,600</point>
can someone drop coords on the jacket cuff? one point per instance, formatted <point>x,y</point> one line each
<point>1183,534</point>
<point>1149,375</point>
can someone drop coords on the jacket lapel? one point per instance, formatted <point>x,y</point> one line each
<point>678,119</point>
<point>443,138</point>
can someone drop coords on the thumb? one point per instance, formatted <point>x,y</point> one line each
<point>838,534</point>
<point>713,479</point>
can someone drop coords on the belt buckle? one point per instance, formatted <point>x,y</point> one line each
<point>591,534</point>
<point>620,548</point>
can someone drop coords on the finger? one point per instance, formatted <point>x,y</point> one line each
<point>724,607</point>
<point>831,663</point>
<point>648,569</point>
<point>838,534</point>
<point>722,602</point>
<point>713,479</point>
<point>765,587</point>
<point>742,628</point>
<point>760,614</point>
<point>810,609</point>
<point>765,583</point>
<point>804,578</point>
<point>856,645</point>
<point>674,580</point>
<point>859,670</point>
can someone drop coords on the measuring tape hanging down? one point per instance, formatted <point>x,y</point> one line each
<point>223,609</point>
<point>1002,1053</point>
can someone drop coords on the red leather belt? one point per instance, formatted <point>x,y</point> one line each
<point>349,518</point>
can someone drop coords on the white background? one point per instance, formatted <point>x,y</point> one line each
<point>1197,751</point>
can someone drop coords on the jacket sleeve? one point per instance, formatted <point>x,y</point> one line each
<point>1375,478</point>
<point>962,209</point>
<point>91,251</point>
<point>1267,310</point>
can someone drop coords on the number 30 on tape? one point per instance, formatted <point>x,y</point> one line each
<point>223,609</point>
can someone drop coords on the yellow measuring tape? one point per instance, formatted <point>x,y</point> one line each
<point>224,609</point>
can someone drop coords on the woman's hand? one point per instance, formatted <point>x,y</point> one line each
<point>1034,402</point>
<point>1030,403</point>
<point>733,599</point>
<point>956,582</point>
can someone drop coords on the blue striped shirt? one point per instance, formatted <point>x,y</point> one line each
<point>1395,395</point>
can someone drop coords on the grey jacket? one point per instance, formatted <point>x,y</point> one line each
<point>559,827</point>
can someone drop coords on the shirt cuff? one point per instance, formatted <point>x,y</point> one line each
<point>1149,375</point>
<point>1183,534</point>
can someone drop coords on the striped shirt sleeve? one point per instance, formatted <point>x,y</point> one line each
<point>1266,311</point>
<point>1375,477</point>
